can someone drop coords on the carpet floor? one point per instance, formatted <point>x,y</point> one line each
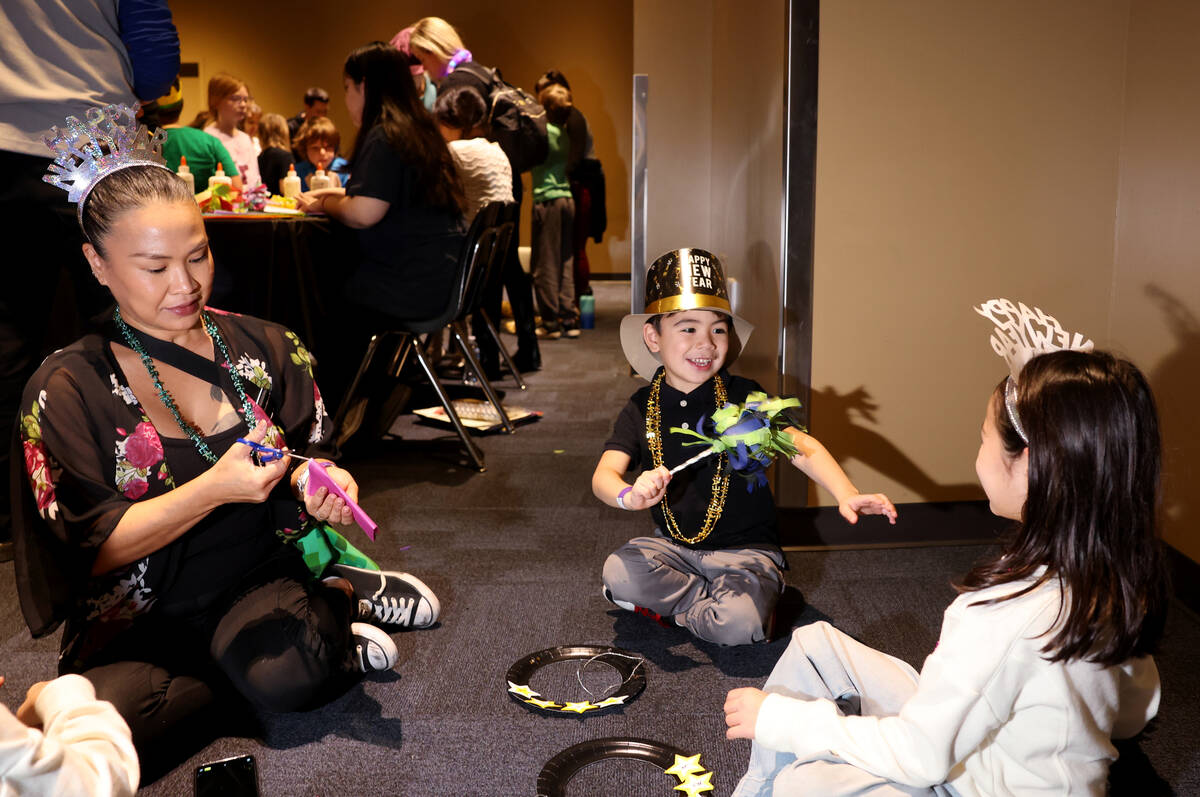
<point>514,554</point>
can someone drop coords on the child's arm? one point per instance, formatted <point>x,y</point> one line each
<point>741,711</point>
<point>65,741</point>
<point>608,482</point>
<point>358,212</point>
<point>820,466</point>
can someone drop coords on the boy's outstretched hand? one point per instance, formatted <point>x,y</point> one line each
<point>867,504</point>
<point>741,711</point>
<point>649,488</point>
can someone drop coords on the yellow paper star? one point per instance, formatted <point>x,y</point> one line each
<point>685,766</point>
<point>696,783</point>
<point>522,689</point>
<point>542,703</point>
<point>578,708</point>
<point>611,701</point>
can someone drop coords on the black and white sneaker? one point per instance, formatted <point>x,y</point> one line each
<point>372,649</point>
<point>389,598</point>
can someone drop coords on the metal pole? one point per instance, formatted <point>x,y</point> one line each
<point>637,265</point>
<point>798,228</point>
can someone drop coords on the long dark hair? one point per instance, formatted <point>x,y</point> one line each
<point>1091,507</point>
<point>390,102</point>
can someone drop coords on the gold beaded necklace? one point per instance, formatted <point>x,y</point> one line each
<point>720,484</point>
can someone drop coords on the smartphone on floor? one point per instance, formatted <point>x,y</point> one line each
<point>236,776</point>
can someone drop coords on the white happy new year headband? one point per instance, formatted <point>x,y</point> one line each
<point>1020,335</point>
<point>87,152</point>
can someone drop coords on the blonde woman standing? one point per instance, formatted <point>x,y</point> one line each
<point>436,44</point>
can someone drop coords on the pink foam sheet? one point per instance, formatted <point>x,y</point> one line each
<point>318,478</point>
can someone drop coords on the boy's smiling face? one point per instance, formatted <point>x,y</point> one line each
<point>692,345</point>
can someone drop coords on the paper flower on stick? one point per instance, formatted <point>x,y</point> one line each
<point>752,433</point>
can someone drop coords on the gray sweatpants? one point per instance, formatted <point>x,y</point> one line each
<point>822,662</point>
<point>723,596</point>
<point>552,261</point>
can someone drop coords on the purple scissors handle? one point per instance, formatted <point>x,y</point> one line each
<point>317,478</point>
<point>264,453</point>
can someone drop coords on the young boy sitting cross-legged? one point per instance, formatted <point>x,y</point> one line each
<point>713,564</point>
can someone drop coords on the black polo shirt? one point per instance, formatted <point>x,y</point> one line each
<point>748,519</point>
<point>410,257</point>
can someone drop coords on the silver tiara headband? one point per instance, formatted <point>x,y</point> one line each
<point>1020,335</point>
<point>86,152</point>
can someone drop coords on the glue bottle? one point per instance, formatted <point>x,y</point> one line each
<point>319,180</point>
<point>291,183</point>
<point>220,178</point>
<point>186,174</point>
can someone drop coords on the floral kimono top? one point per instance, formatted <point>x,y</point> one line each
<point>90,451</point>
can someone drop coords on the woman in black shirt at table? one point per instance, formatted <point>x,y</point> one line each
<point>276,156</point>
<point>404,198</point>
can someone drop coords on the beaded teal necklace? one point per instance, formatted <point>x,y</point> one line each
<point>165,396</point>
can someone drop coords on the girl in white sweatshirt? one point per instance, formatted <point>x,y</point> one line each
<point>1044,657</point>
<point>63,741</point>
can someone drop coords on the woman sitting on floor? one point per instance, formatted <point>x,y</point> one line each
<point>186,571</point>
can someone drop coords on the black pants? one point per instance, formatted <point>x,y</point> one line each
<point>277,643</point>
<point>509,276</point>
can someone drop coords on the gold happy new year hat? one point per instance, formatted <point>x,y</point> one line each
<point>682,279</point>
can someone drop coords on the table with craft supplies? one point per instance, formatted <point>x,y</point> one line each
<point>282,268</point>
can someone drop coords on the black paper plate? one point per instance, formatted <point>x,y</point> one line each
<point>554,777</point>
<point>629,666</point>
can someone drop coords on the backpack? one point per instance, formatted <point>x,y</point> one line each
<point>517,121</point>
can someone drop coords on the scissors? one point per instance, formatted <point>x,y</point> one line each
<point>317,478</point>
<point>264,454</point>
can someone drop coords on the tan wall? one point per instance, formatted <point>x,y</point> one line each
<point>278,57</point>
<point>672,46</point>
<point>965,151</point>
<point>1039,151</point>
<point>746,213</point>
<point>1042,152</point>
<point>715,138</point>
<point>1156,287</point>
